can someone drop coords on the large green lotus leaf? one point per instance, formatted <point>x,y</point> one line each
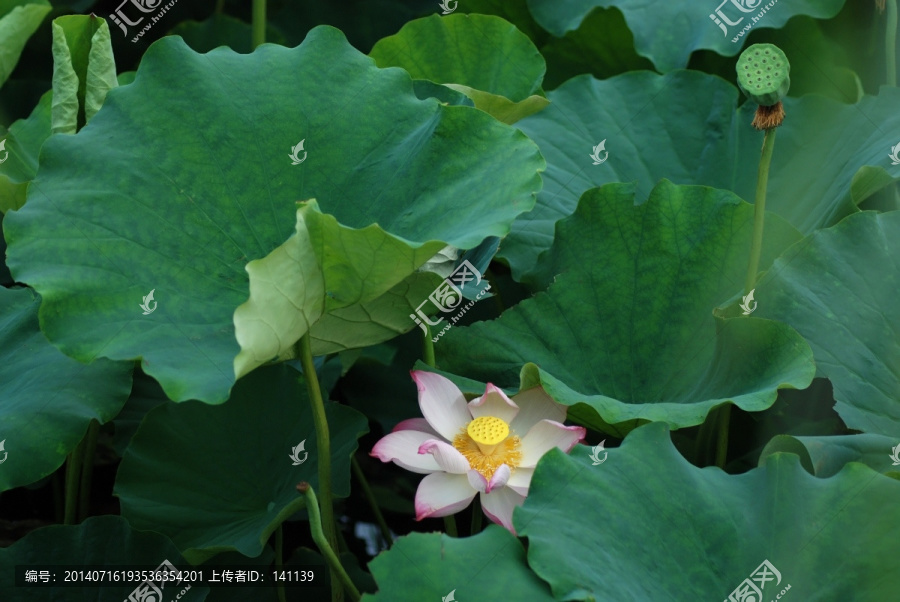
<point>221,30</point>
<point>220,477</point>
<point>838,288</point>
<point>626,329</point>
<point>667,530</point>
<point>668,32</point>
<point>685,126</point>
<point>429,566</point>
<point>348,288</point>
<point>827,456</point>
<point>48,399</point>
<point>492,62</point>
<point>99,230</point>
<point>100,541</point>
<point>18,20</point>
<point>479,51</point>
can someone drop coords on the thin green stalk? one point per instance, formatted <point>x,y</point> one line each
<point>87,470</point>
<point>450,526</point>
<point>373,503</point>
<point>711,444</point>
<point>58,487</point>
<point>722,439</point>
<point>495,290</point>
<point>323,446</point>
<point>73,477</point>
<point>220,5</point>
<point>428,353</point>
<point>759,209</point>
<point>343,548</point>
<point>476,517</point>
<point>428,346</point>
<point>279,561</point>
<point>258,23</point>
<point>890,43</point>
<point>890,62</point>
<point>315,525</point>
<point>705,435</point>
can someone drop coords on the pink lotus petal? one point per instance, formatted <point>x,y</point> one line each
<point>520,480</point>
<point>544,436</point>
<point>402,448</point>
<point>499,504</point>
<point>442,404</point>
<point>535,405</point>
<point>494,402</point>
<point>446,456</point>
<point>499,479</point>
<point>415,424</point>
<point>477,481</point>
<point>442,494</point>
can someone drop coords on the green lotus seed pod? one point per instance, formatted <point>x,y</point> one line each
<point>764,74</point>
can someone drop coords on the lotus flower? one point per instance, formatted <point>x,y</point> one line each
<point>488,446</point>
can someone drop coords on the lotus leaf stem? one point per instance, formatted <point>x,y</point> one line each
<point>323,445</point>
<point>73,477</point>
<point>87,470</point>
<point>373,503</point>
<point>722,439</point>
<point>476,518</point>
<point>890,43</point>
<point>428,346</point>
<point>258,23</point>
<point>315,525</point>
<point>428,353</point>
<point>279,560</point>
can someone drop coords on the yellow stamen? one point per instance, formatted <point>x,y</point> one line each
<point>487,443</point>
